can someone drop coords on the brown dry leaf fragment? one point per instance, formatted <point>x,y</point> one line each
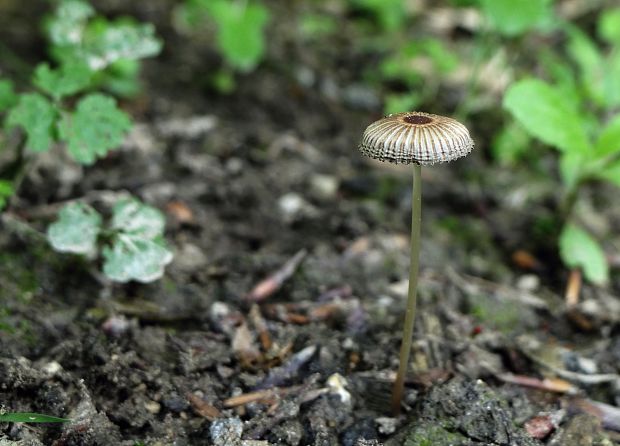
<point>180,212</point>
<point>244,346</point>
<point>525,260</point>
<point>271,284</point>
<point>261,327</point>
<point>202,408</point>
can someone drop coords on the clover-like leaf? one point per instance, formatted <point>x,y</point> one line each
<point>8,98</point>
<point>579,250</point>
<point>64,81</point>
<point>37,116</point>
<point>67,24</point>
<point>138,251</point>
<point>240,31</point>
<point>96,127</point>
<point>76,230</point>
<point>545,114</point>
<point>133,217</point>
<point>133,257</point>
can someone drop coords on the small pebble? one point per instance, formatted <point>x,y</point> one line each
<point>226,431</point>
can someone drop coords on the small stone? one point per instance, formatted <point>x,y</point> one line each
<point>226,431</point>
<point>528,282</point>
<point>152,407</point>
<point>324,186</point>
<point>386,425</point>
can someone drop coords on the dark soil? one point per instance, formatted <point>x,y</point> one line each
<point>249,181</point>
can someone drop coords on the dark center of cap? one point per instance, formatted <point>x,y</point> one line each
<point>417,119</point>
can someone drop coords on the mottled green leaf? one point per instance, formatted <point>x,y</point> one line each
<point>513,17</point>
<point>8,98</point>
<point>546,115</point>
<point>138,251</point>
<point>29,417</point>
<point>37,116</point>
<point>132,216</point>
<point>107,42</point>
<point>66,25</point>
<point>64,81</point>
<point>240,31</point>
<point>76,230</point>
<point>579,250</point>
<point>96,127</point>
<point>134,258</point>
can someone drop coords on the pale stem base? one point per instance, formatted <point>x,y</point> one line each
<point>405,349</point>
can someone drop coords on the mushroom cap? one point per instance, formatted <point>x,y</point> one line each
<point>416,137</point>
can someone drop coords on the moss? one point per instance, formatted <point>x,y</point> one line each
<point>432,435</point>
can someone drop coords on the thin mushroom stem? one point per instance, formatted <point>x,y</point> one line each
<point>405,349</point>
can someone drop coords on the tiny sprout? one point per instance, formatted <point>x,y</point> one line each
<point>422,139</point>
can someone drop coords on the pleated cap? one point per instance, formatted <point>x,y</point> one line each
<point>416,137</point>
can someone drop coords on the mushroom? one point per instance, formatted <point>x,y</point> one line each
<point>422,139</point>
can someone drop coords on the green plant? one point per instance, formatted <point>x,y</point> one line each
<point>62,108</point>
<point>132,244</point>
<point>390,15</point>
<point>240,28</point>
<point>110,49</point>
<point>549,115</point>
<point>576,114</point>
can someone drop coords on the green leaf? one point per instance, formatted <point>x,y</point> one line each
<point>514,17</point>
<point>64,81</point>
<point>135,258</point>
<point>6,191</point>
<point>138,251</point>
<point>29,417</point>
<point>609,26</point>
<point>398,102</point>
<point>591,64</point>
<point>572,166</point>
<point>76,230</point>
<point>8,98</point>
<point>133,217</point>
<point>545,114</point>
<point>96,127</point>
<point>579,250</point>
<point>67,24</point>
<point>107,42</point>
<point>391,14</point>
<point>610,173</point>
<point>240,31</point>
<point>510,144</point>
<point>608,142</point>
<point>37,116</point>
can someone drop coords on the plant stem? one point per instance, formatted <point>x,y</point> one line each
<point>405,349</point>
